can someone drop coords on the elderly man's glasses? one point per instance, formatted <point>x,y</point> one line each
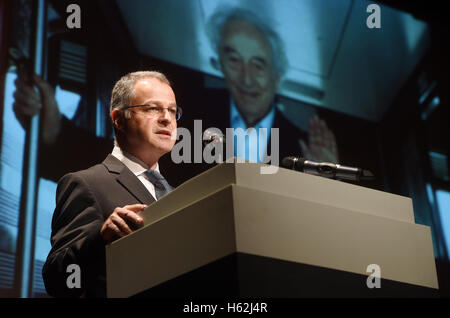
<point>156,111</point>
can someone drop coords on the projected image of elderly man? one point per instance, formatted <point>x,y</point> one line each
<point>253,61</point>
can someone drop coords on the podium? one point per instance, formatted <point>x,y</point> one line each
<point>233,231</point>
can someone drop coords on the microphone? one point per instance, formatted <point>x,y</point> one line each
<point>213,135</point>
<point>326,169</point>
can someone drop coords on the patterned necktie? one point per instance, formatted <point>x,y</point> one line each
<point>162,187</point>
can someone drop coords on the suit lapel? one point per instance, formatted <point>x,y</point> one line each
<point>128,180</point>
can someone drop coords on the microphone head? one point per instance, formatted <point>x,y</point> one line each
<point>293,163</point>
<point>366,175</point>
<point>213,135</point>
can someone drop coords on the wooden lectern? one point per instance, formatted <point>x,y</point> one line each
<point>235,232</point>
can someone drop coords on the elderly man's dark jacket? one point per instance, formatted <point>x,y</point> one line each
<point>214,111</point>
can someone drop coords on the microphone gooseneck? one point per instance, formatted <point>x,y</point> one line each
<point>326,169</point>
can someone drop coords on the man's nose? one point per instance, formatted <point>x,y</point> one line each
<point>247,76</point>
<point>164,115</point>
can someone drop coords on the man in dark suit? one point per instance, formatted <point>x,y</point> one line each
<point>100,204</point>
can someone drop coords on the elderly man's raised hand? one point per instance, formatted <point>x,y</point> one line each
<point>321,145</point>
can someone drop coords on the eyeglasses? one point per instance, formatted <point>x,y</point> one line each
<point>155,111</point>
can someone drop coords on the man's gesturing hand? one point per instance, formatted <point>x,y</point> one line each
<point>122,222</point>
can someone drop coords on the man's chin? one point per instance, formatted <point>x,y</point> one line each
<point>247,101</point>
<point>251,107</point>
<point>164,147</point>
<point>252,111</point>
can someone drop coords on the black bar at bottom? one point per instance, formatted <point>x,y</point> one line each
<point>245,275</point>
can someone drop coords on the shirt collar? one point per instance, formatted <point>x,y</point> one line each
<point>237,121</point>
<point>136,165</point>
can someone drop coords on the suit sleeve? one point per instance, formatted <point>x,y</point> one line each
<point>75,239</point>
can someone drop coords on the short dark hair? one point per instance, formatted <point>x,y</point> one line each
<point>123,91</point>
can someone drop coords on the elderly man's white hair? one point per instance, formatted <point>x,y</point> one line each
<point>225,14</point>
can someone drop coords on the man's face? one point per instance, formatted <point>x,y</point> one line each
<point>247,64</point>
<point>150,133</point>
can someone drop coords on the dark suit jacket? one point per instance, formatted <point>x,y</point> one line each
<point>84,201</point>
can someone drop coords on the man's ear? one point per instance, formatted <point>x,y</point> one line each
<point>118,119</point>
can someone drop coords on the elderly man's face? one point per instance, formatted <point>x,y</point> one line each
<point>148,132</point>
<point>247,64</point>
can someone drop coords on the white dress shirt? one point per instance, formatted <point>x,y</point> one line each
<point>253,150</point>
<point>137,166</point>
